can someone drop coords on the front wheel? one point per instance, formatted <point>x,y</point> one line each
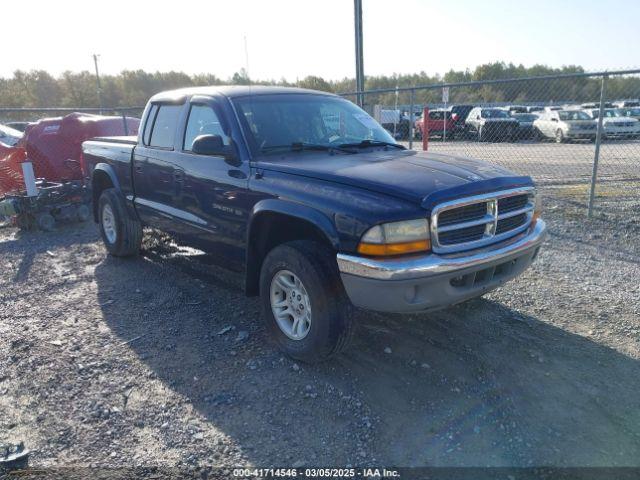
<point>303,301</point>
<point>122,235</point>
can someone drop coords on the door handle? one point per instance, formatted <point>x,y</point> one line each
<point>138,168</point>
<point>178,175</point>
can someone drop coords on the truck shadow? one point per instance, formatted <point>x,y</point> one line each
<point>477,384</point>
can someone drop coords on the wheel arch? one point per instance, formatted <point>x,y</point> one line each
<point>273,222</point>
<point>102,177</point>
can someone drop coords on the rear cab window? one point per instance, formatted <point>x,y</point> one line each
<point>163,130</point>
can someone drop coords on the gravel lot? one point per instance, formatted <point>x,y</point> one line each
<point>162,361</point>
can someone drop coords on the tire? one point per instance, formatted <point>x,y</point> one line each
<point>330,324</point>
<point>481,135</point>
<point>121,235</point>
<point>538,136</point>
<point>559,136</point>
<point>45,222</point>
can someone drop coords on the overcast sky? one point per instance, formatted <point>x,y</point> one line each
<point>295,38</point>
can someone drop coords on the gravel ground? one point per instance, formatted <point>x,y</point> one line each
<point>161,361</point>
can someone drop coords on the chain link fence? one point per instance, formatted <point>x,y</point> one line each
<point>576,133</point>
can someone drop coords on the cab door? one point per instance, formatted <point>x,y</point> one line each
<point>215,199</point>
<point>156,176</point>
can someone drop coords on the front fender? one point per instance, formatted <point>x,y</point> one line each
<point>316,219</point>
<point>299,211</point>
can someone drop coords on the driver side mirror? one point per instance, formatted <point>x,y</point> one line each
<point>212,145</point>
<point>554,119</point>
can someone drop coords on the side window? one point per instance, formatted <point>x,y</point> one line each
<point>164,128</point>
<point>202,121</point>
<point>149,124</point>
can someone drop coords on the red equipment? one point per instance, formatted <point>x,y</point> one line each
<point>11,180</point>
<point>54,145</point>
<point>439,123</point>
<point>54,148</point>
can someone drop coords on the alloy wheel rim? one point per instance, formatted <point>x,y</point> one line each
<point>290,304</point>
<point>109,223</point>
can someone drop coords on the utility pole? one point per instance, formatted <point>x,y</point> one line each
<point>98,86</point>
<point>357,4</point>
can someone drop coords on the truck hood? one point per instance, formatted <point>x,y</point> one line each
<point>418,177</point>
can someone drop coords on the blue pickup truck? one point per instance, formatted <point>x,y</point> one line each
<point>315,204</point>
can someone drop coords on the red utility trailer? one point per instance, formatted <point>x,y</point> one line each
<point>42,177</point>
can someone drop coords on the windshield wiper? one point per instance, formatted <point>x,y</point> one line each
<point>300,146</point>
<point>372,143</point>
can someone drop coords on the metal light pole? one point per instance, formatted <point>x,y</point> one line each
<point>357,4</point>
<point>98,86</point>
<point>596,156</point>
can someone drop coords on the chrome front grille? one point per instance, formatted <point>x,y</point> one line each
<point>474,222</point>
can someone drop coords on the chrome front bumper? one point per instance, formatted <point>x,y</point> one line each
<point>433,281</point>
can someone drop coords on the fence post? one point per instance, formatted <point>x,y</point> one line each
<point>596,156</point>
<point>425,129</point>
<point>124,122</point>
<point>411,120</point>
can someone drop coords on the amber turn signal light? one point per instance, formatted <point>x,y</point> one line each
<point>390,249</point>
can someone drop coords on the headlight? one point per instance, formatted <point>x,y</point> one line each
<point>396,238</point>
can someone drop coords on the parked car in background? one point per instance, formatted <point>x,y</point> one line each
<point>525,129</point>
<point>317,217</point>
<point>534,109</point>
<point>440,122</point>
<point>491,124</point>
<point>596,105</point>
<point>20,126</point>
<point>9,136</point>
<point>615,124</point>
<point>565,125</point>
<point>626,103</point>
<point>515,109</point>
<point>459,115</point>
<point>406,119</point>
<point>632,112</point>
<point>388,118</point>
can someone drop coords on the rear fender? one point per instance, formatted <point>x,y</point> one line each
<point>103,176</point>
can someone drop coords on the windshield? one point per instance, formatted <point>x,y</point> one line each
<point>281,120</point>
<point>631,112</point>
<point>494,113</point>
<point>573,115</point>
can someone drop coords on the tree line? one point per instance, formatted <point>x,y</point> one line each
<point>38,88</point>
